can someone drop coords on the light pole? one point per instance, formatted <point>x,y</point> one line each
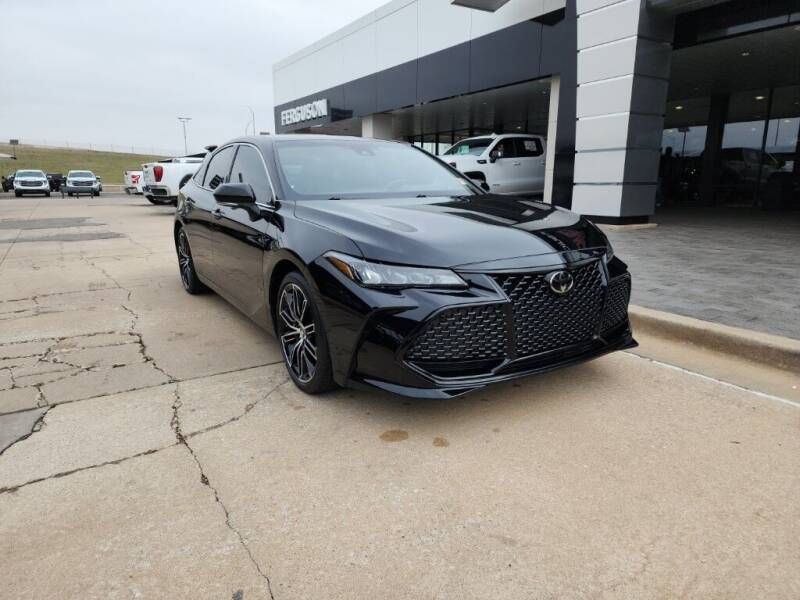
<point>183,121</point>
<point>252,119</point>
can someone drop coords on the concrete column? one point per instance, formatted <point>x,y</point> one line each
<point>624,54</point>
<point>552,134</point>
<point>377,126</point>
<point>712,152</point>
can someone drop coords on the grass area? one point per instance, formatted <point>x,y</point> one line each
<point>107,165</point>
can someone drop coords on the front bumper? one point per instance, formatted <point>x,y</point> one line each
<point>81,189</point>
<point>32,189</point>
<point>440,344</point>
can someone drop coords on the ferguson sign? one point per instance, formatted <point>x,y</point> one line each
<point>305,112</point>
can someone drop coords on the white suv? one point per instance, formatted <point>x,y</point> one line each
<point>508,164</point>
<point>31,181</point>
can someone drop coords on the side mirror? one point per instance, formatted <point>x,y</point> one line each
<point>481,183</point>
<point>235,193</point>
<point>493,156</point>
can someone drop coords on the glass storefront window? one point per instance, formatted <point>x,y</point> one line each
<point>782,136</point>
<point>685,141</point>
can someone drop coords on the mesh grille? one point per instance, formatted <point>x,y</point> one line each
<point>544,320</point>
<point>619,292</point>
<point>462,334</point>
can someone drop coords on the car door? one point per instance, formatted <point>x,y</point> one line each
<point>202,215</point>
<point>503,175</point>
<point>245,232</point>
<point>531,158</point>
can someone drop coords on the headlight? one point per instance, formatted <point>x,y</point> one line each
<point>609,250</point>
<point>370,274</point>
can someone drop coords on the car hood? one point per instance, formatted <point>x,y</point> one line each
<point>453,231</point>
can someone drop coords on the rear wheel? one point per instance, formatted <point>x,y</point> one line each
<point>302,337</point>
<point>189,278</point>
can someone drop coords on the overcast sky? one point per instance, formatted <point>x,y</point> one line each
<point>121,71</point>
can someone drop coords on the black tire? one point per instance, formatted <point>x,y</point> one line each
<point>47,194</point>
<point>191,283</point>
<point>69,194</point>
<point>302,337</point>
<point>17,194</point>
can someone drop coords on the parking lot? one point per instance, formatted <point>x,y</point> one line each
<point>154,447</point>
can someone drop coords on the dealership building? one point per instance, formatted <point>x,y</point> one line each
<point>642,102</point>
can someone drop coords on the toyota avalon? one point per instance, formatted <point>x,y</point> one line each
<point>377,265</point>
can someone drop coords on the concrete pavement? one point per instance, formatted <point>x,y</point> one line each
<point>171,456</point>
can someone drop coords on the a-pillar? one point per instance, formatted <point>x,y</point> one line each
<point>624,52</point>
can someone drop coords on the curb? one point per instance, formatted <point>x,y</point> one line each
<point>772,350</point>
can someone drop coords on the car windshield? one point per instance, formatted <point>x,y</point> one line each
<point>475,147</point>
<point>81,174</point>
<point>29,174</point>
<point>345,168</point>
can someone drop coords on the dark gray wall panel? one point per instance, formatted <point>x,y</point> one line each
<point>360,96</point>
<point>443,74</point>
<point>514,56</point>
<point>397,87</point>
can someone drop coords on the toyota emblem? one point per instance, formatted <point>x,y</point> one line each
<point>560,282</point>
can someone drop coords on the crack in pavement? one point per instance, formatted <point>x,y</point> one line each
<point>175,423</point>
<point>157,385</point>
<point>37,425</point>
<point>14,488</point>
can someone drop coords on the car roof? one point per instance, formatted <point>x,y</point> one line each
<point>269,140</point>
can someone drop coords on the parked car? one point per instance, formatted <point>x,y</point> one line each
<point>55,180</point>
<point>8,182</point>
<point>507,164</point>
<point>133,182</point>
<point>163,179</point>
<point>82,182</point>
<point>30,181</point>
<point>378,265</point>
<point>100,183</point>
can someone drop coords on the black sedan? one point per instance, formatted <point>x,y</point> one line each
<point>378,265</point>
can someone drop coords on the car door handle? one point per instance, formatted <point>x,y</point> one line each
<point>516,164</point>
<point>217,212</point>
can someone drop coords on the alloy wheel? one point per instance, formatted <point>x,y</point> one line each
<point>297,333</point>
<point>185,260</point>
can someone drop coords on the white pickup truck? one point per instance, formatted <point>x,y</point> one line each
<point>164,178</point>
<point>133,182</point>
<point>510,163</point>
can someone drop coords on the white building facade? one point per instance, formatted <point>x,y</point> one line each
<point>610,83</point>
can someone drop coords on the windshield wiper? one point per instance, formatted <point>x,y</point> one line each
<point>422,195</point>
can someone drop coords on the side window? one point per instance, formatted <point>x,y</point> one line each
<point>198,177</point>
<point>218,168</point>
<point>529,147</point>
<point>506,148</point>
<point>249,168</point>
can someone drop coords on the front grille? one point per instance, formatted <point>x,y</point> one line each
<point>32,183</point>
<point>619,292</point>
<point>471,333</point>
<point>539,326</point>
<point>544,320</point>
<point>82,184</point>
